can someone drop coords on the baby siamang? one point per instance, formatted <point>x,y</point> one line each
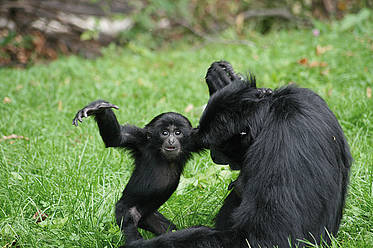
<point>294,165</point>
<point>160,151</point>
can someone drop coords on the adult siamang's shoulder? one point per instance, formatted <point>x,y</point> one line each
<point>294,94</point>
<point>295,91</point>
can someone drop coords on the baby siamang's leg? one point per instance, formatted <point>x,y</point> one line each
<point>127,219</point>
<point>157,223</point>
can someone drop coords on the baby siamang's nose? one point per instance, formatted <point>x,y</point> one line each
<point>171,140</point>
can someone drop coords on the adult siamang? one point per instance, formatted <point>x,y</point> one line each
<point>160,151</point>
<point>294,166</point>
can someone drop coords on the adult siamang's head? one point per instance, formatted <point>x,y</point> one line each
<point>232,119</point>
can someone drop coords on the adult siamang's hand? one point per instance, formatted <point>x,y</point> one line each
<point>219,75</point>
<point>92,109</point>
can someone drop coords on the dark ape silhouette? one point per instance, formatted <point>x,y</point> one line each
<point>160,151</point>
<point>294,166</point>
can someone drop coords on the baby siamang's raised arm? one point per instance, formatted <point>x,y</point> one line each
<point>112,133</point>
<point>219,75</point>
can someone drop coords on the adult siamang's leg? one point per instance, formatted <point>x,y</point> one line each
<point>223,220</point>
<point>197,237</point>
<point>156,223</point>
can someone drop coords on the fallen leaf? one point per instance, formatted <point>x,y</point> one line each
<point>140,82</point>
<point>325,72</point>
<point>13,136</point>
<point>350,54</point>
<point>189,108</point>
<point>67,81</point>
<point>321,50</point>
<point>39,216</point>
<point>369,92</point>
<point>303,61</point>
<point>59,106</point>
<point>7,100</point>
<point>330,91</point>
<point>317,64</point>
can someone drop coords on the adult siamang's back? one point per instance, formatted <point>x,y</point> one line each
<point>293,159</point>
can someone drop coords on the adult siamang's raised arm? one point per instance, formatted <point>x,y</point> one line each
<point>219,75</point>
<point>112,133</point>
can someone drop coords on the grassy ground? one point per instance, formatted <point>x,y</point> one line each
<point>66,172</point>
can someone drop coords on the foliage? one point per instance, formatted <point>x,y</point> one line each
<point>173,19</point>
<point>155,23</point>
<point>58,184</point>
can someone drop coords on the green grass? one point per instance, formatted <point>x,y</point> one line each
<point>67,173</point>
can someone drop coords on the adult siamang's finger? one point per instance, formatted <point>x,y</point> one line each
<point>214,84</point>
<point>229,70</point>
<point>217,83</point>
<point>217,78</point>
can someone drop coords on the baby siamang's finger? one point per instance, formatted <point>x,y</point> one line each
<point>80,117</point>
<point>75,122</point>
<point>85,112</point>
<point>114,106</point>
<point>108,105</point>
<point>77,118</point>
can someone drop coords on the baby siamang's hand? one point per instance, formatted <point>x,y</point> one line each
<point>92,109</point>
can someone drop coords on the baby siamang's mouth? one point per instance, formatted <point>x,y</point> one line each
<point>170,148</point>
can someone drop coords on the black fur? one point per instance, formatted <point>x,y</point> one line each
<point>159,161</point>
<point>294,166</point>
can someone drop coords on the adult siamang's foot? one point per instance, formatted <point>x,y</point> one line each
<point>92,109</point>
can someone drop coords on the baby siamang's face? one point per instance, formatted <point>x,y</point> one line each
<point>169,133</point>
<point>171,137</point>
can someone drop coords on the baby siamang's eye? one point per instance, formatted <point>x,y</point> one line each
<point>165,133</point>
<point>177,132</point>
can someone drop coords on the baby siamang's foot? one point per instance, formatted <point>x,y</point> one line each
<point>92,109</point>
<point>219,75</point>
